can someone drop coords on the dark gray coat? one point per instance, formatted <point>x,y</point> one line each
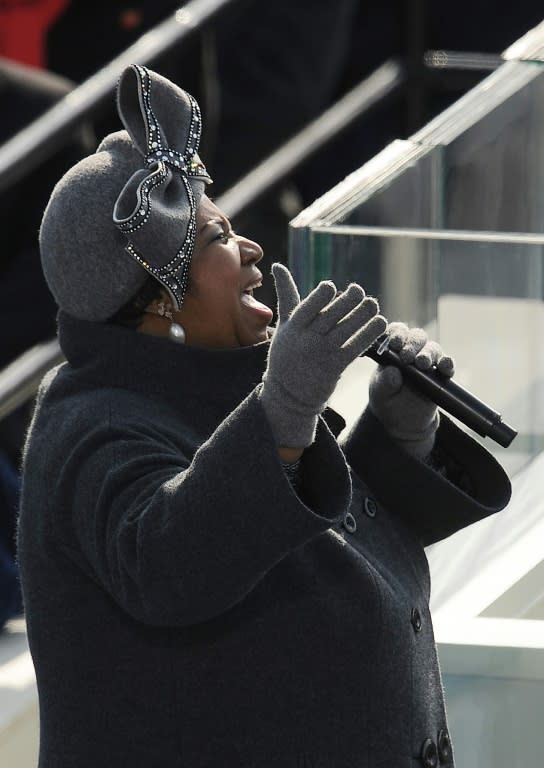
<point>186,608</point>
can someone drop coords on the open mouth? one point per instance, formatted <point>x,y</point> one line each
<point>249,301</point>
<point>248,291</point>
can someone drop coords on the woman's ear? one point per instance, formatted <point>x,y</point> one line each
<point>161,304</point>
<point>162,298</point>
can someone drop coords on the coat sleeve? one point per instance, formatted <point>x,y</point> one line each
<point>177,542</point>
<point>430,503</point>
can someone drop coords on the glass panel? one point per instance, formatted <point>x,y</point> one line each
<point>482,300</point>
<point>446,229</point>
<point>530,47</point>
<point>523,600</point>
<point>490,171</point>
<point>482,166</point>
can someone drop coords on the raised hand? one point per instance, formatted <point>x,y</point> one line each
<point>315,340</point>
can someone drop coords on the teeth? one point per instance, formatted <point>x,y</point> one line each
<point>252,287</point>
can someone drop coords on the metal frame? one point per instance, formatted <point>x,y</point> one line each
<point>32,145</point>
<point>20,380</point>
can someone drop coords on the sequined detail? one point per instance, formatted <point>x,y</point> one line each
<point>173,275</point>
<point>157,148</point>
<point>143,210</point>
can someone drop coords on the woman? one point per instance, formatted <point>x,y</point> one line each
<point>210,579</point>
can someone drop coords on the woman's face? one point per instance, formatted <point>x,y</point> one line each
<point>219,310</point>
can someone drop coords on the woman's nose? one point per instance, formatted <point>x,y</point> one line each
<point>249,251</point>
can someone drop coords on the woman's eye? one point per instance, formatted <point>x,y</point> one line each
<point>224,236</point>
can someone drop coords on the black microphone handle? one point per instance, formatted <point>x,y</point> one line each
<point>448,395</point>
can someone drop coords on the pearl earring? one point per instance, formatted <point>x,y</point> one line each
<point>176,333</point>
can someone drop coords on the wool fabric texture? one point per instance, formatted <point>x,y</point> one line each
<point>129,209</point>
<point>186,607</point>
<point>410,418</point>
<point>314,342</point>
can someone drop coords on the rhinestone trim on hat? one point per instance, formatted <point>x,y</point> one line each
<point>174,275</point>
<point>143,210</point>
<point>188,162</point>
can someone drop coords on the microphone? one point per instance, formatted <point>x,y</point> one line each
<point>448,395</point>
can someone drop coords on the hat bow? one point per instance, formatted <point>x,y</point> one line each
<point>156,209</point>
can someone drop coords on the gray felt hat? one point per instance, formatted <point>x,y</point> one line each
<point>128,210</point>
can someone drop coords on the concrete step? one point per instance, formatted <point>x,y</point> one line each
<point>19,718</point>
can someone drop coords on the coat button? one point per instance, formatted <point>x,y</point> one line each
<point>416,620</point>
<point>429,754</point>
<point>350,523</point>
<point>370,507</point>
<point>444,746</point>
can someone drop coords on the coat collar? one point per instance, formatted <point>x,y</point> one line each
<point>110,355</point>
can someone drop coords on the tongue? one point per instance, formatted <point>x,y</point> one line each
<point>251,302</point>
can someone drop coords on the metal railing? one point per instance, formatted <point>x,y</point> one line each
<point>33,144</point>
<point>20,380</point>
<point>383,81</point>
<point>40,139</point>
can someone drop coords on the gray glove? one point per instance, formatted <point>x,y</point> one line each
<point>314,341</point>
<point>410,418</point>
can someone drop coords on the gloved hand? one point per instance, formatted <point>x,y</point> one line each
<point>314,341</point>
<point>410,418</point>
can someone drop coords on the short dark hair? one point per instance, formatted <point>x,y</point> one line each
<point>131,314</point>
